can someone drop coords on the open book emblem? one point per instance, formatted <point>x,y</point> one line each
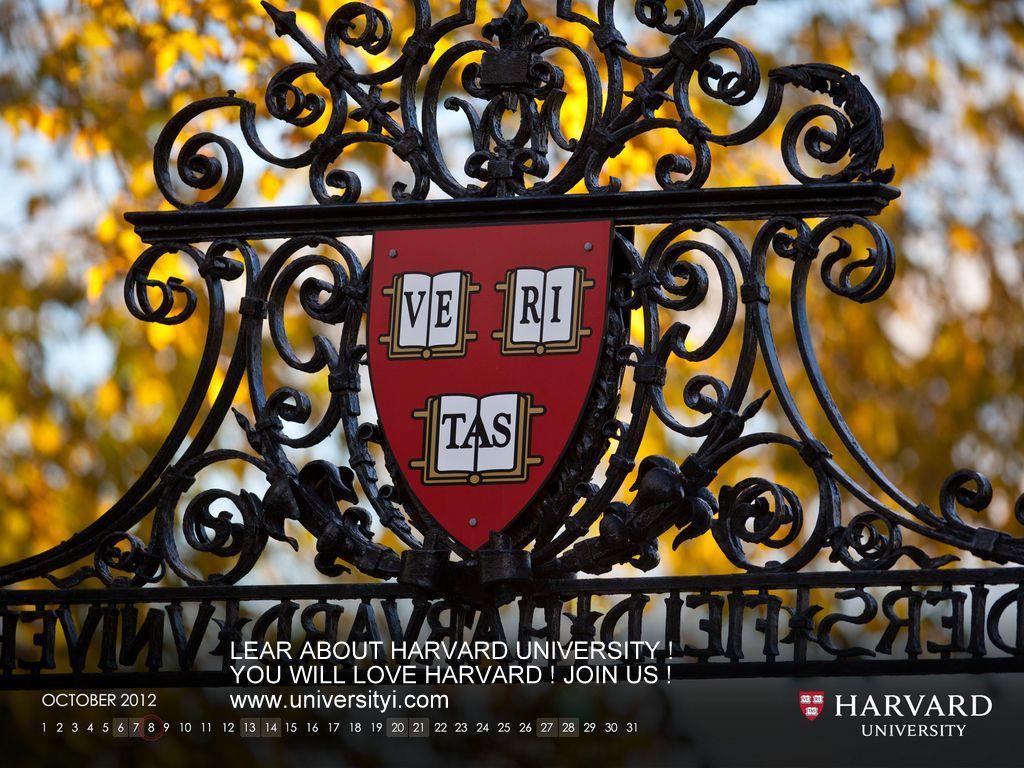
<point>543,311</point>
<point>483,345</point>
<point>429,314</point>
<point>477,439</point>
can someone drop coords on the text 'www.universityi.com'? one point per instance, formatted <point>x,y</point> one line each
<point>375,701</point>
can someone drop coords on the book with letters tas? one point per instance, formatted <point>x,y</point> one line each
<point>543,311</point>
<point>471,440</point>
<point>429,315</point>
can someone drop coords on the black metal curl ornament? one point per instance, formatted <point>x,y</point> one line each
<point>503,79</point>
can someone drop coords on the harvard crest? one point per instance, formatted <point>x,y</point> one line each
<point>484,346</point>
<point>812,704</point>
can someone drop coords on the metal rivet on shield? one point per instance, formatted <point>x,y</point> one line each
<point>588,246</point>
<point>392,253</point>
<point>472,522</point>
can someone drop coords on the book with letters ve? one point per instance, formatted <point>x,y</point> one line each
<point>471,440</point>
<point>429,315</point>
<point>543,311</point>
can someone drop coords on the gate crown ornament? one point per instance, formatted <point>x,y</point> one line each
<point>510,72</point>
<point>538,515</point>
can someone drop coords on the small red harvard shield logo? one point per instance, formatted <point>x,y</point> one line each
<point>483,347</point>
<point>812,703</point>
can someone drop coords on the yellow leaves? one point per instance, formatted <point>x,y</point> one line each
<point>574,110</point>
<point>95,281</point>
<point>108,399</point>
<point>89,143</point>
<point>634,163</point>
<point>15,531</point>
<point>224,11</point>
<point>152,391</point>
<point>160,336</point>
<point>212,46</point>
<point>141,181</point>
<point>8,412</point>
<point>122,246</point>
<point>47,124</point>
<point>107,228</point>
<point>175,48</point>
<point>152,32</point>
<point>166,58</point>
<point>270,184</point>
<point>176,8</point>
<point>180,100</point>
<point>93,35</point>
<point>128,242</point>
<point>47,436</point>
<point>215,385</point>
<point>280,49</point>
<point>636,327</point>
<point>309,24</point>
<point>962,238</point>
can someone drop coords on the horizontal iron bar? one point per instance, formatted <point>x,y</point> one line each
<point>593,586</point>
<point>678,671</point>
<point>803,200</point>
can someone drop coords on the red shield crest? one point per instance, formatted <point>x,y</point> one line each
<point>812,704</point>
<point>483,347</point>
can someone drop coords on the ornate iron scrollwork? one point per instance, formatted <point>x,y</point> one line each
<point>754,514</point>
<point>509,77</point>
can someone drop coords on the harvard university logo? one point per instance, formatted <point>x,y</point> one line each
<point>812,703</point>
<point>483,346</point>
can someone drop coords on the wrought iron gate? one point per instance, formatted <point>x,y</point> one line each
<point>393,574</point>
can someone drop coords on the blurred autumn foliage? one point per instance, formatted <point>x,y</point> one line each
<point>927,376</point>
